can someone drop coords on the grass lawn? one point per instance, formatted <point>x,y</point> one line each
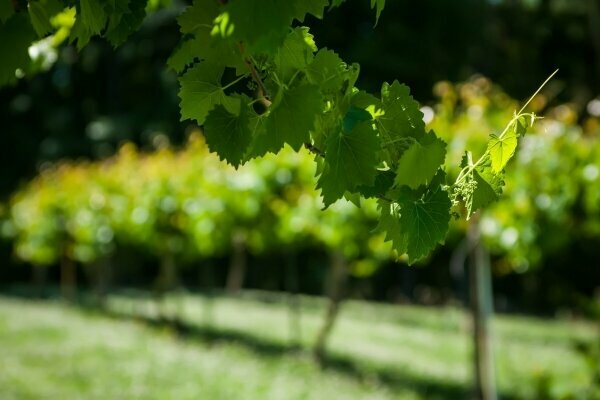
<point>239,348</point>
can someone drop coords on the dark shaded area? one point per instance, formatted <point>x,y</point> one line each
<point>90,102</point>
<point>561,284</point>
<point>515,43</point>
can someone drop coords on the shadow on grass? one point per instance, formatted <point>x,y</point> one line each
<point>394,380</point>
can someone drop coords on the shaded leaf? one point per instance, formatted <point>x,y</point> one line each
<point>350,160</point>
<point>201,91</point>
<point>419,163</point>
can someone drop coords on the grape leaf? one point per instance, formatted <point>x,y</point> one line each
<point>327,70</point>
<point>184,55</point>
<point>295,54</point>
<point>203,47</point>
<point>480,187</point>
<point>502,148</point>
<point>424,220</point>
<point>115,10</point>
<point>353,116</point>
<point>369,103</point>
<point>419,163</point>
<point>415,222</point>
<point>227,134</point>
<point>350,160</point>
<point>197,23</point>
<point>201,90</point>
<point>384,180</point>
<point>92,15</point>
<point>261,25</point>
<point>120,27</point>
<point>362,99</point>
<point>196,20</point>
<point>40,13</point>
<point>379,5</point>
<point>325,123</point>
<point>260,139</point>
<point>199,16</point>
<point>293,116</point>
<point>80,33</point>
<point>488,190</point>
<point>401,122</point>
<point>314,7</point>
<point>389,224</point>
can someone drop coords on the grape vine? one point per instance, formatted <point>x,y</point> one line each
<point>255,79</point>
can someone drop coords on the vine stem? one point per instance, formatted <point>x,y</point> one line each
<point>469,168</point>
<point>537,91</point>
<point>263,94</point>
<point>230,84</point>
<point>313,149</point>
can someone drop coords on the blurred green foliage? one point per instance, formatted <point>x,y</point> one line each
<point>187,204</point>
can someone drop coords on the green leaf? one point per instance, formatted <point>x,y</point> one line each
<point>92,15</point>
<point>229,135</point>
<point>39,18</point>
<point>122,24</point>
<point>480,188</point>
<point>327,70</point>
<point>502,148</point>
<point>80,33</point>
<point>350,160</point>
<point>314,7</point>
<point>260,139</point>
<point>415,222</point>
<point>292,117</point>
<point>389,224</point>
<point>6,10</point>
<point>295,54</point>
<point>419,163</point>
<point>261,25</point>
<point>40,13</point>
<point>488,189</point>
<point>401,122</point>
<point>115,9</point>
<point>424,221</point>
<point>353,116</point>
<point>201,91</point>
<point>367,101</point>
<point>384,180</point>
<point>206,48</point>
<point>184,55</point>
<point>199,17</point>
<point>354,198</point>
<point>197,23</point>
<point>380,5</point>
